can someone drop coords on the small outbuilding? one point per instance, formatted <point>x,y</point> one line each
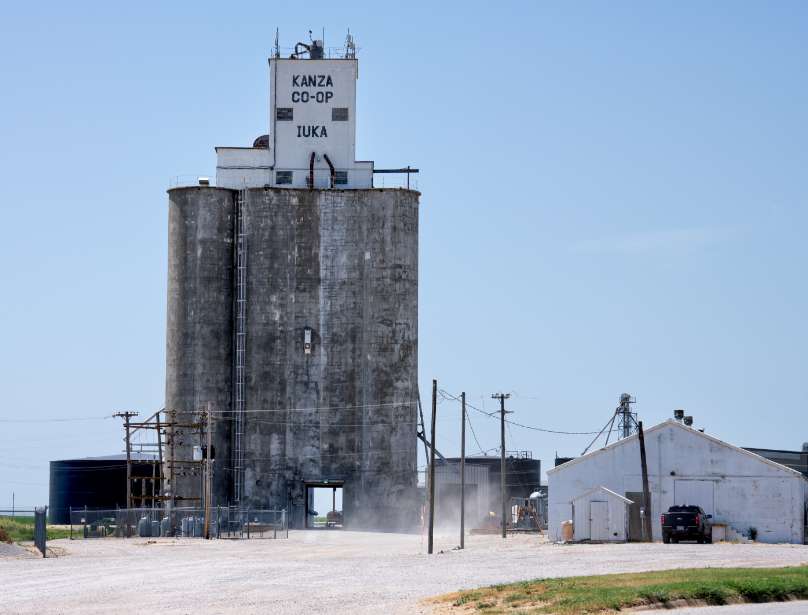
<point>749,494</point>
<point>600,514</point>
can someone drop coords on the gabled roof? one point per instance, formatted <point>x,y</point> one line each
<point>608,492</point>
<point>677,424</point>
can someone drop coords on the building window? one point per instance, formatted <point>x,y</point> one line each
<point>284,114</point>
<point>283,177</point>
<point>339,114</point>
<point>341,178</point>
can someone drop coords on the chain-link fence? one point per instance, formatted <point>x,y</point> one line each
<point>221,522</point>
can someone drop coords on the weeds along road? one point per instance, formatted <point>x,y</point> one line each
<point>324,571</point>
<point>799,607</point>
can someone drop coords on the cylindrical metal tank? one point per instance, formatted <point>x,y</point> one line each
<point>199,332</point>
<point>76,483</point>
<point>93,482</point>
<point>144,527</point>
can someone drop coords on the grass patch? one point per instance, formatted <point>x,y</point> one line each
<point>20,529</point>
<point>613,592</point>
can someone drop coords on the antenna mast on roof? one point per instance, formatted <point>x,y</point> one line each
<point>350,46</point>
<point>277,45</point>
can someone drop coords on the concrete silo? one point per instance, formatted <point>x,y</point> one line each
<point>293,311</point>
<point>199,331</point>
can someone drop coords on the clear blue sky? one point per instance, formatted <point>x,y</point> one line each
<point>614,199</point>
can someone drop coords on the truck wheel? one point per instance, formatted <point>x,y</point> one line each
<point>700,540</point>
<point>666,539</point>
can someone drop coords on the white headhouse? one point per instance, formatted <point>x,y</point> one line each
<point>312,126</point>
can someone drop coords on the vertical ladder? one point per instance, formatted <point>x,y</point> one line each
<point>239,384</point>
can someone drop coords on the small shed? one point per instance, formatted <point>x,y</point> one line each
<point>600,514</point>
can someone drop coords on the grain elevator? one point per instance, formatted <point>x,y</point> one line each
<point>293,310</point>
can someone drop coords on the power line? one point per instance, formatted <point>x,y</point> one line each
<point>217,412</point>
<point>522,425</point>
<point>359,406</point>
<point>474,435</point>
<point>63,420</point>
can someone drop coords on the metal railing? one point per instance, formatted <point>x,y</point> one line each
<point>223,522</point>
<point>189,179</point>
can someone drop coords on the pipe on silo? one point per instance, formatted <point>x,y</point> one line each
<point>199,330</point>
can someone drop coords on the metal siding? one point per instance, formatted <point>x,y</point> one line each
<point>695,493</point>
<point>749,492</point>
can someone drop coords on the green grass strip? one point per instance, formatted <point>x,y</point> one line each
<point>21,529</point>
<point>613,592</point>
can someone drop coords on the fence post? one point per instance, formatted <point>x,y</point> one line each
<point>248,523</point>
<point>70,512</point>
<point>41,529</point>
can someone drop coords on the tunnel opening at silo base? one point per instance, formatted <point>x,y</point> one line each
<point>324,509</point>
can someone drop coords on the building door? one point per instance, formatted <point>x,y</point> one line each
<point>695,493</point>
<point>598,520</point>
<point>634,518</point>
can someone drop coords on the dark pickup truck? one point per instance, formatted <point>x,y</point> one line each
<point>686,523</point>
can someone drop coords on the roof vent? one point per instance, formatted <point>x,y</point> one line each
<point>679,415</point>
<point>805,447</point>
<point>688,421</point>
<point>261,142</point>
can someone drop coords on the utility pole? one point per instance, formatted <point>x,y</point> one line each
<point>160,473</point>
<point>503,492</point>
<point>432,469</point>
<point>126,416</point>
<point>171,435</point>
<point>648,535</point>
<point>462,469</point>
<point>208,467</point>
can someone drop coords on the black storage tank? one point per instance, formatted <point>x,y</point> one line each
<point>94,482</point>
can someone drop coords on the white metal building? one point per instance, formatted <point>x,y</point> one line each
<point>600,514</point>
<point>686,466</point>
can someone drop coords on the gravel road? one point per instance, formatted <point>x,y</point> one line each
<point>13,550</point>
<point>323,571</point>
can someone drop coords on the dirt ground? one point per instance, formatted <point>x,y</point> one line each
<point>322,571</point>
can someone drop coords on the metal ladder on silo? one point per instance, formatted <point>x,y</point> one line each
<point>239,397</point>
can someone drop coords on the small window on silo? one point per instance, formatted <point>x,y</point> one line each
<point>284,114</point>
<point>341,178</point>
<point>339,114</point>
<point>283,177</point>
